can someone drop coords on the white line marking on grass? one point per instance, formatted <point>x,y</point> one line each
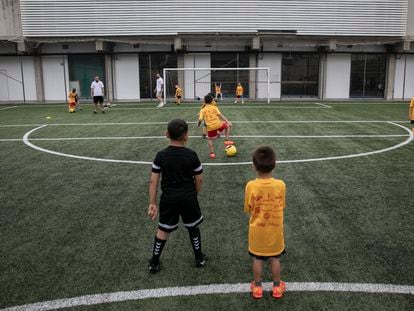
<point>195,122</point>
<point>89,300</point>
<point>408,140</point>
<point>233,136</point>
<point>4,108</point>
<point>323,105</point>
<point>224,107</point>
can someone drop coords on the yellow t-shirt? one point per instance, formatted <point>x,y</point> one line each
<point>412,109</point>
<point>72,97</point>
<point>239,90</point>
<point>178,92</point>
<point>210,114</point>
<point>265,201</point>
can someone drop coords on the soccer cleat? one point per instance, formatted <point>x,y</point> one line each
<point>235,102</point>
<point>154,267</point>
<point>228,142</point>
<point>204,136</point>
<point>257,291</point>
<point>277,291</point>
<point>103,111</point>
<point>94,111</point>
<point>201,262</point>
<point>212,155</point>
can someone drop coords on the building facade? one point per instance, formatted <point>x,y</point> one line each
<point>327,50</point>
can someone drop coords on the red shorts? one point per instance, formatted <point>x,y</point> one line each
<point>213,134</point>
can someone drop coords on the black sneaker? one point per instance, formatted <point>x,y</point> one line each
<point>154,267</point>
<point>201,262</point>
<point>103,111</point>
<point>95,111</point>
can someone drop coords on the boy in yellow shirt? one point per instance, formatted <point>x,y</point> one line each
<point>411,113</point>
<point>264,201</point>
<point>215,122</point>
<point>178,94</point>
<point>217,90</point>
<point>73,99</point>
<point>239,93</point>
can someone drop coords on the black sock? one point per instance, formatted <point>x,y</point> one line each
<point>156,252</point>
<point>195,237</point>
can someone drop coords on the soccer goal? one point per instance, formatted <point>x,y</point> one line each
<point>197,82</point>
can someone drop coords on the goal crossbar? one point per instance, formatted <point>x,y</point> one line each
<point>266,69</point>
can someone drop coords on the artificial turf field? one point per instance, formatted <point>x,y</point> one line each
<point>71,225</point>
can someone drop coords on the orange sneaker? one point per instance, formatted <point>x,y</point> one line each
<point>228,142</point>
<point>277,291</point>
<point>212,155</point>
<point>257,291</point>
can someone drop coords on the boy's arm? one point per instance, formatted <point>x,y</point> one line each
<point>223,118</point>
<point>200,118</point>
<point>247,206</point>
<point>153,187</point>
<point>198,180</point>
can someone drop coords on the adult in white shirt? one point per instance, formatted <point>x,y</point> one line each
<point>97,92</point>
<point>159,90</point>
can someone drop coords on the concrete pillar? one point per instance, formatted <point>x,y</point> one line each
<point>109,77</point>
<point>180,74</point>
<point>390,77</point>
<point>252,76</point>
<point>38,69</point>
<point>322,76</point>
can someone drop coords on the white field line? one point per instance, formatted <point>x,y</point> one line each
<point>89,300</point>
<point>195,122</point>
<point>232,136</point>
<point>4,108</point>
<point>408,140</point>
<point>323,105</point>
<point>223,107</point>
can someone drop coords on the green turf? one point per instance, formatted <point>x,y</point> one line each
<point>72,227</point>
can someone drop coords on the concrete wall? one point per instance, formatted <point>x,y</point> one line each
<point>410,20</point>
<point>404,77</point>
<point>126,77</point>
<point>338,76</point>
<point>10,20</point>
<point>17,73</point>
<point>196,83</point>
<point>274,62</point>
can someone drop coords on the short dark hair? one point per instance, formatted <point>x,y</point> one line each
<point>264,159</point>
<point>177,129</point>
<point>208,99</point>
<point>73,90</point>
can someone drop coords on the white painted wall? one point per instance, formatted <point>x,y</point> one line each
<point>197,83</point>
<point>338,76</point>
<point>11,85</point>
<point>402,89</point>
<point>126,74</point>
<point>56,85</point>
<point>274,62</point>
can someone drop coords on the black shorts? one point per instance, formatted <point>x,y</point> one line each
<point>172,209</point>
<point>265,258</point>
<point>238,96</point>
<point>98,99</point>
<point>179,97</point>
<point>412,121</point>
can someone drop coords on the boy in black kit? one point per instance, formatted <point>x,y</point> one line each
<point>182,179</point>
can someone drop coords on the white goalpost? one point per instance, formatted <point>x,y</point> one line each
<point>197,82</point>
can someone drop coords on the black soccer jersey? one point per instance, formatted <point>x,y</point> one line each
<point>177,166</point>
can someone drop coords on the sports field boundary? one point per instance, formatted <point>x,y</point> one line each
<point>89,300</point>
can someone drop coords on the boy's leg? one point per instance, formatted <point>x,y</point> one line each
<point>278,286</point>
<point>159,243</point>
<point>195,238</point>
<point>256,285</point>
<point>210,146</point>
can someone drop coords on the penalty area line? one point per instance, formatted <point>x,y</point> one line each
<point>113,297</point>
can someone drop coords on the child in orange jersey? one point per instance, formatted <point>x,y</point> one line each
<point>264,201</point>
<point>239,93</point>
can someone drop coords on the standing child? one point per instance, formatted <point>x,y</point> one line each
<point>181,181</point>
<point>73,98</point>
<point>264,201</point>
<point>178,94</point>
<point>217,89</point>
<point>239,93</point>
<point>215,122</point>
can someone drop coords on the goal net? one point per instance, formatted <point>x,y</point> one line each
<point>197,82</point>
